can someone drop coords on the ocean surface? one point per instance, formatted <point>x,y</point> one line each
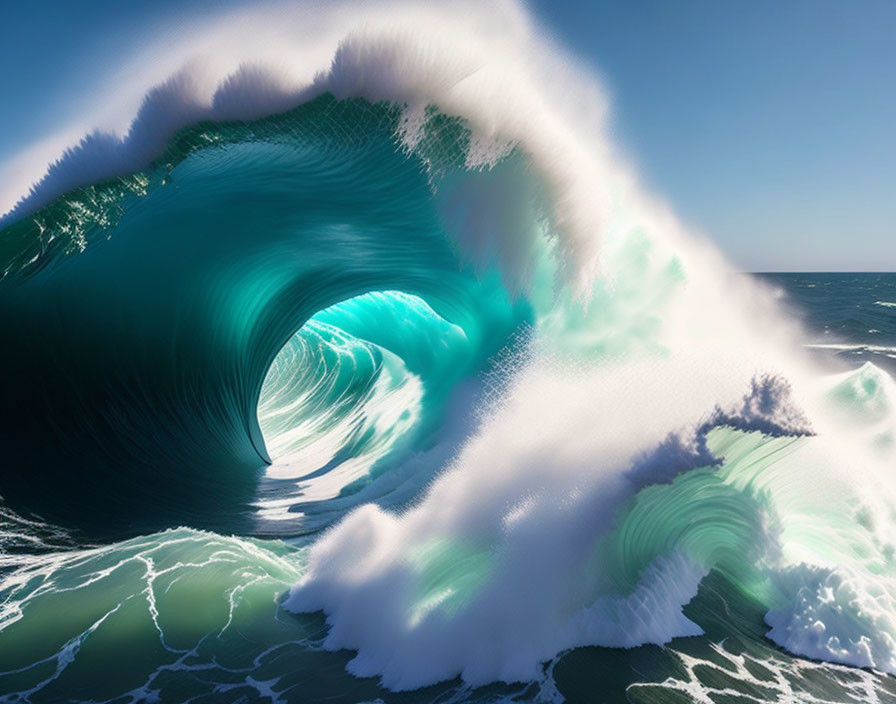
<point>372,374</point>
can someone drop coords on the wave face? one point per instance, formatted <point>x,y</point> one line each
<point>276,224</point>
<point>399,286</point>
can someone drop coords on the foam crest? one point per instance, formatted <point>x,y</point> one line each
<point>487,65</point>
<point>837,615</point>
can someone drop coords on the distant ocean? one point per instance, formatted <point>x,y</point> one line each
<point>852,316</point>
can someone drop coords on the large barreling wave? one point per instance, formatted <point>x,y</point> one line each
<point>365,313</point>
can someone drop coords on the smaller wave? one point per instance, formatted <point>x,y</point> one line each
<point>886,304</point>
<point>854,348</point>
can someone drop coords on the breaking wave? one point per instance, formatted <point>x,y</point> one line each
<point>380,271</point>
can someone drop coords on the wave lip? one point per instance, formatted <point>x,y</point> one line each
<point>401,54</point>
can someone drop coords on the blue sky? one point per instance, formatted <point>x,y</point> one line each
<point>770,125</point>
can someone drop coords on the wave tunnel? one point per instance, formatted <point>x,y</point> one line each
<point>311,245</point>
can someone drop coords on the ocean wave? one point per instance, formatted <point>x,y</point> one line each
<point>400,285</point>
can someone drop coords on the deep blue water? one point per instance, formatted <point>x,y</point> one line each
<point>850,315</point>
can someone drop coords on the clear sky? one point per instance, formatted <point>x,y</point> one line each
<point>770,125</point>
